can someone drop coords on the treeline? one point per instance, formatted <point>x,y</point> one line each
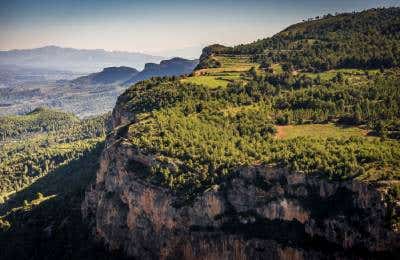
<point>302,99</point>
<point>39,120</point>
<point>372,100</point>
<point>367,40</point>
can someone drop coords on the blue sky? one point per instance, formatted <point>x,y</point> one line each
<point>154,26</point>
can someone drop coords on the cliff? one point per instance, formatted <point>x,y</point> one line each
<point>198,166</point>
<point>260,211</point>
<point>171,67</point>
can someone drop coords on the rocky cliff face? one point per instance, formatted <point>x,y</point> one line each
<point>261,212</point>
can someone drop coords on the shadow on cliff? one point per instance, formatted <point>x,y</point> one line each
<point>53,229</point>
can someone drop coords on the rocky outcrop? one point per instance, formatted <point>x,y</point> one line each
<point>207,60</point>
<point>259,212</point>
<point>171,67</point>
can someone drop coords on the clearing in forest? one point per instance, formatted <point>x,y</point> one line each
<point>319,131</point>
<point>232,69</point>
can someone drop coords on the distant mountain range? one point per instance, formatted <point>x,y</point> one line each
<point>172,67</point>
<point>128,76</point>
<point>111,75</point>
<point>76,60</point>
<point>87,95</point>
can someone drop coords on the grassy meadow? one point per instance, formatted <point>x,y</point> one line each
<point>320,131</point>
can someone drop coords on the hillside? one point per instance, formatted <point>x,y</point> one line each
<point>366,40</point>
<point>220,163</point>
<point>47,158</point>
<point>192,164</point>
<point>34,144</point>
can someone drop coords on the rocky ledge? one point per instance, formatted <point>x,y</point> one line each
<point>260,212</point>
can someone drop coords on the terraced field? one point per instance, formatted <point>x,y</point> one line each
<point>233,68</point>
<point>351,74</point>
<point>210,81</point>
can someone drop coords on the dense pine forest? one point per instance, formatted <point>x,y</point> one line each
<point>221,129</point>
<point>39,142</point>
<point>367,40</point>
<point>235,111</point>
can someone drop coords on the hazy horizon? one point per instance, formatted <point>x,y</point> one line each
<point>156,27</point>
<point>170,53</point>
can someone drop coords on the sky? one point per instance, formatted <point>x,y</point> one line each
<point>156,26</point>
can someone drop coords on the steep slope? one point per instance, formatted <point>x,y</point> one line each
<point>111,75</point>
<point>202,166</point>
<point>191,172</point>
<point>172,67</point>
<point>43,175</point>
<point>34,144</point>
<point>69,59</point>
<point>369,39</point>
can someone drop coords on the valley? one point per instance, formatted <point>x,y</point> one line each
<point>85,96</point>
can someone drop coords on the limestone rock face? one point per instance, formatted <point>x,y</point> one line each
<point>261,212</point>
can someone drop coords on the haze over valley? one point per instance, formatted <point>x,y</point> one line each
<point>27,80</point>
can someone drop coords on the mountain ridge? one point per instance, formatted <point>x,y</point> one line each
<point>70,59</point>
<point>109,75</point>
<point>364,40</point>
<point>172,67</point>
<point>126,75</point>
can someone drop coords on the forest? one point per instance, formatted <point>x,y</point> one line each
<point>201,135</point>
<point>34,144</point>
<point>367,40</point>
<point>47,160</point>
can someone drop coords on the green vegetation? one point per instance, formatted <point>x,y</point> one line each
<point>39,120</point>
<point>319,131</point>
<point>276,68</point>
<point>230,68</point>
<point>352,74</point>
<point>41,141</point>
<point>44,221</point>
<point>211,81</point>
<point>44,172</point>
<point>236,63</point>
<point>368,40</point>
<point>200,135</point>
